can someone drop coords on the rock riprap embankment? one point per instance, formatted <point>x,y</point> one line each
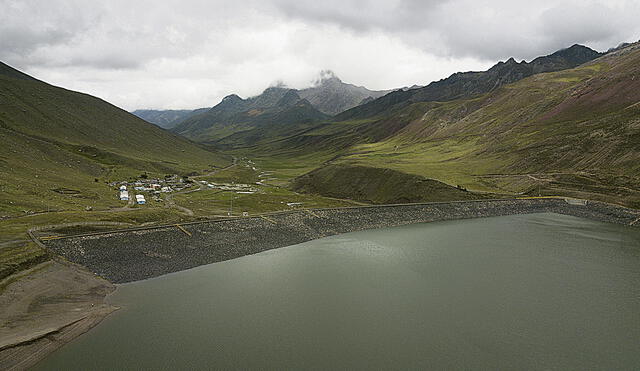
<point>127,256</point>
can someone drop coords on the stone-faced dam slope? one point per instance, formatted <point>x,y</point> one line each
<point>133,255</point>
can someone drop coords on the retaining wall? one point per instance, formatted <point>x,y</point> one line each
<point>133,255</point>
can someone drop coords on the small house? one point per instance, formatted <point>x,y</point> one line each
<point>124,196</point>
<point>140,199</point>
<point>123,187</point>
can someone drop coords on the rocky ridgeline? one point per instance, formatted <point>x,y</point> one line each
<point>139,254</point>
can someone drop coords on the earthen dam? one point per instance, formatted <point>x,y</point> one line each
<point>136,254</point>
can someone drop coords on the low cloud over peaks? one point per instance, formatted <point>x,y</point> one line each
<point>187,54</point>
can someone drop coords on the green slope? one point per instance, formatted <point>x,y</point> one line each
<point>574,132</point>
<point>376,185</point>
<point>468,84</point>
<point>52,138</point>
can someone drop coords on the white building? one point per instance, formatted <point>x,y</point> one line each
<point>123,187</point>
<point>140,199</point>
<point>124,196</point>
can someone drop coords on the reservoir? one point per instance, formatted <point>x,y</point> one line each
<point>538,291</point>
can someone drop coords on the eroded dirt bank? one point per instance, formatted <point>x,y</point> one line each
<point>45,307</point>
<point>134,255</point>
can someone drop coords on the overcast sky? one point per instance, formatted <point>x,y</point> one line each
<point>189,54</point>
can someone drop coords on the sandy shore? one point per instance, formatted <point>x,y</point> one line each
<point>45,307</point>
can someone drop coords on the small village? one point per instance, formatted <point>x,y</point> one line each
<point>154,187</point>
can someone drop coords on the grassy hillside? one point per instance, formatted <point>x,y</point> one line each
<point>574,132</point>
<point>58,151</point>
<point>376,185</point>
<point>53,139</point>
<point>469,84</point>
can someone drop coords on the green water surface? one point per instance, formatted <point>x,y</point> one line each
<point>538,292</point>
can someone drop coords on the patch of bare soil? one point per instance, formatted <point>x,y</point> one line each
<point>46,307</point>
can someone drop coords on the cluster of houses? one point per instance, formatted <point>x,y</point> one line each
<point>124,196</point>
<point>152,186</point>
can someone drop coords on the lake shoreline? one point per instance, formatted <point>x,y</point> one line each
<point>132,255</point>
<point>143,254</point>
<point>480,278</point>
<point>45,308</point>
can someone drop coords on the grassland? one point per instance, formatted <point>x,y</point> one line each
<point>378,185</point>
<point>574,132</point>
<point>210,203</point>
<point>60,149</point>
<point>527,137</point>
<point>242,173</point>
<point>269,195</point>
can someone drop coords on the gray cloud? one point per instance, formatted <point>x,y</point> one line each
<point>481,28</point>
<point>365,15</point>
<point>25,28</point>
<point>187,54</point>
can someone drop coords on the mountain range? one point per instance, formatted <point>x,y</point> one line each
<point>327,94</point>
<point>166,119</point>
<point>276,109</point>
<point>565,123</point>
<point>467,84</point>
<point>224,131</point>
<point>331,96</point>
<point>573,132</point>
